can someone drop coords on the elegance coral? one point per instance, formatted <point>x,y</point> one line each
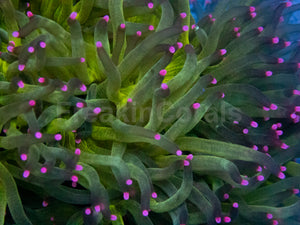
<point>129,112</point>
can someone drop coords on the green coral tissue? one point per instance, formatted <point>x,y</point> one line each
<point>130,112</point>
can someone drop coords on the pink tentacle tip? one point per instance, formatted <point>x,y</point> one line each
<point>235,205</point>
<point>226,196</point>
<point>122,25</point>
<point>113,217</point>
<point>44,203</point>
<point>43,170</point>
<point>126,195</point>
<point>88,211</point>
<point>97,208</point>
<point>259,169</point>
<point>139,33</point>
<point>266,108</point>
<point>154,195</point>
<point>129,100</point>
<point>15,34</point>
<point>293,115</point>
<point>244,182</point>
<point>79,105</point>
<point>273,107</point>
<point>97,110</point>
<point>82,60</point>
<point>254,124</point>
<point>245,131</point>
<point>268,73</point>
<point>254,147</point>
<point>151,28</point>
<point>186,163</point>
<point>296,191</point>
<point>77,151</point>
<point>260,29</point>
<point>163,72</point>
<point>83,88</point>
<point>297,108</point>
<point>27,4</point>
<point>238,34</point>
<point>10,48</point>
<point>157,137</point>
<point>282,168</point>
<point>145,212</point>
<point>99,44</point>
<point>269,216</point>
<point>183,15</point>
<point>179,152</point>
<point>30,49</point>
<point>223,51</point>
<point>296,92</point>
<point>64,88</point>
<point>180,45</point>
<point>196,105</point>
<point>38,135</point>
<point>218,219</point>
<point>164,86</point>
<point>260,177</point>
<point>43,44</point>
<point>74,178</point>
<point>189,157</point>
<point>185,28</point>
<point>31,102</point>
<point>280,60</point>
<point>265,148</point>
<point>275,222</point>
<point>29,14</point>
<point>193,26</point>
<point>172,49</point>
<point>21,67</point>
<point>78,167</point>
<point>23,157</point>
<point>214,81</point>
<point>236,29</point>
<point>253,15</point>
<point>150,5</point>
<point>26,173</point>
<point>106,18</point>
<point>222,95</point>
<point>236,122</point>
<point>284,146</point>
<point>129,182</point>
<point>281,175</point>
<point>73,15</point>
<point>227,219</point>
<point>252,9</point>
<point>288,4</point>
<point>57,137</point>
<point>275,40</point>
<point>287,44</point>
<point>77,141</point>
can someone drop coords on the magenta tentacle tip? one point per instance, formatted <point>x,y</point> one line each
<point>87,211</point>
<point>185,28</point>
<point>151,27</point>
<point>79,104</point>
<point>23,157</point>
<point>186,163</point>
<point>281,175</point>
<point>26,173</point>
<point>44,203</point>
<point>245,131</point>
<point>97,208</point>
<point>218,219</point>
<point>43,170</point>
<point>189,157</point>
<point>280,60</point>
<point>126,195</point>
<point>252,9</point>
<point>29,14</point>
<point>139,33</point>
<point>129,100</point>
<point>154,195</point>
<point>226,196</point>
<point>145,212</point>
<point>57,137</point>
<point>260,29</point>
<point>77,151</point>
<point>179,45</point>
<point>113,217</point>
<point>163,72</point>
<point>269,216</point>
<point>268,73</point>
<point>73,15</point>
<point>150,5</point>
<point>244,182</point>
<point>30,49</point>
<point>129,182</point>
<point>21,67</point>
<point>183,15</point>
<point>260,177</point>
<point>273,107</point>
<point>38,135</point>
<point>78,167</point>
<point>284,146</point>
<point>99,44</point>
<point>164,86</point>
<point>235,205</point>
<point>254,147</point>
<point>214,81</point>
<point>179,152</point>
<point>254,124</point>
<point>196,105</point>
<point>172,49</point>
<point>223,51</point>
<point>122,25</point>
<point>157,137</point>
<point>31,102</point>
<point>64,88</point>
<point>74,178</point>
<point>106,18</point>
<point>275,40</point>
<point>227,219</point>
<point>43,44</point>
<point>97,110</point>
<point>15,34</point>
<point>83,88</point>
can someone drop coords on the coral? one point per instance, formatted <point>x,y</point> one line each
<point>129,112</point>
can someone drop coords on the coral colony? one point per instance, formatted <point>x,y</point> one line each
<point>130,112</point>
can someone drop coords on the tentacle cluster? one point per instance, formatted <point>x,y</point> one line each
<point>129,112</point>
